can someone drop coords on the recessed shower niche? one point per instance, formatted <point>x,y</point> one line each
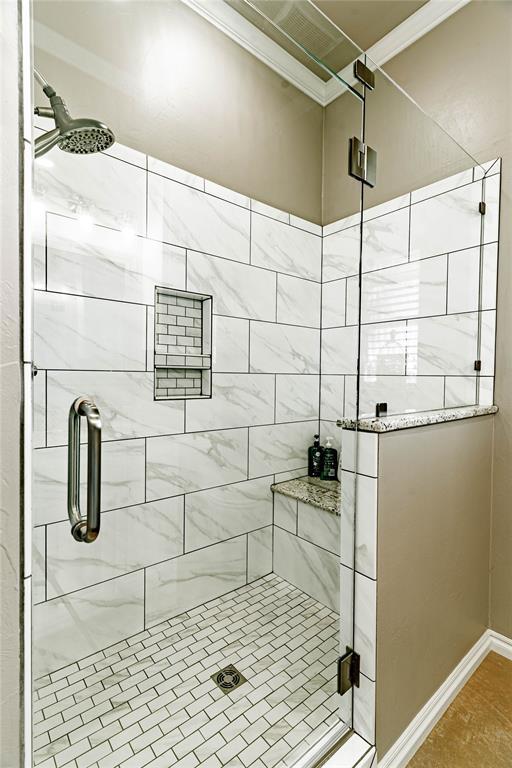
<point>183,344</point>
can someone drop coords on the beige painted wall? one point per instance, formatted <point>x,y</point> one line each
<point>461,74</point>
<point>11,626</point>
<point>172,85</point>
<point>433,561</point>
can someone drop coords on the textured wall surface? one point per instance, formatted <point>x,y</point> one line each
<point>474,105</point>
<point>172,85</point>
<point>433,561</point>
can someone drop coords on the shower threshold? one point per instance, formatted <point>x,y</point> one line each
<point>152,700</point>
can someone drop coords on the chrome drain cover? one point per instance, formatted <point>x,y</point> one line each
<point>228,679</point>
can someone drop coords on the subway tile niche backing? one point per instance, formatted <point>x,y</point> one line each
<point>183,334</point>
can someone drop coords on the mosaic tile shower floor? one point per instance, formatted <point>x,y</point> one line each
<point>150,700</point>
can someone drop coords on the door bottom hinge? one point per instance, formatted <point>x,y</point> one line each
<point>478,365</point>
<point>482,208</point>
<point>348,671</point>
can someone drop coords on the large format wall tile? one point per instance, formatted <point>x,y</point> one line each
<point>110,264</point>
<point>185,582</point>
<point>39,410</point>
<point>238,400</point>
<point>129,540</point>
<point>447,222</point>
<point>308,567</point>
<point>285,512</point>
<point>230,510</point>
<point>284,349</point>
<point>176,174</point>
<point>125,401</point>
<point>183,216</point>
<point>191,462</point>
<point>284,248</point>
<point>84,622</point>
<point>88,334</point>
<point>332,397</point>
<point>339,350</point>
<point>383,348</point>
<point>297,397</point>
<point>230,345</point>
<point>279,447</point>
<point>39,565</point>
<point>363,720</point>
<point>298,301</point>
<point>387,207</point>
<point>237,289</point>
<point>320,527</point>
<point>365,632</point>
<point>444,185</point>
<point>401,393</point>
<point>259,553</point>
<point>464,279</point>
<point>333,303</point>
<point>341,253</point>
<point>361,449</point>
<point>416,289</point>
<point>362,493</point>
<point>488,320</point>
<point>442,345</point>
<point>122,478</point>
<point>460,390</point>
<point>103,190</point>
<point>386,240</point>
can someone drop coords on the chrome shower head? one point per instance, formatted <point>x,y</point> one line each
<point>81,136</point>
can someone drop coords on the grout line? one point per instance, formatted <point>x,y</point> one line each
<point>407,263</point>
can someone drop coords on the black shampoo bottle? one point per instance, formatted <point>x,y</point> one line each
<point>315,454</point>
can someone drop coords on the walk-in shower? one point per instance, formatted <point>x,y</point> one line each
<point>217,289</point>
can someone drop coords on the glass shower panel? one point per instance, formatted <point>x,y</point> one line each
<point>429,254</point>
<point>184,318</point>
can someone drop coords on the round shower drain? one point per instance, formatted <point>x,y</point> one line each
<point>228,678</point>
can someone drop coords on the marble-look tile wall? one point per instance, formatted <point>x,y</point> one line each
<point>428,300</point>
<point>358,578</point>
<point>186,500</point>
<point>307,549</point>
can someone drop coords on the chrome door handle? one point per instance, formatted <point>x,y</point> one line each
<point>84,529</point>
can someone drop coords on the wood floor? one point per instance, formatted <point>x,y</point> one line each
<point>476,730</point>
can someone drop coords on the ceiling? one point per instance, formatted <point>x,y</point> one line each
<point>367,21</point>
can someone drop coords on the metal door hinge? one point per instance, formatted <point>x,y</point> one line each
<point>478,365</point>
<point>362,162</point>
<point>348,671</point>
<point>364,74</point>
<point>34,370</point>
<point>482,207</point>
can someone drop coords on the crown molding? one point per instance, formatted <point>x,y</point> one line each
<point>229,21</point>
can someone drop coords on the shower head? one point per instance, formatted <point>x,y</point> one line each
<point>79,136</point>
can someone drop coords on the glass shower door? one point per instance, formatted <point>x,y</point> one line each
<point>202,621</point>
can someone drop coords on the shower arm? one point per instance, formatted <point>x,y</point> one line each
<point>45,85</point>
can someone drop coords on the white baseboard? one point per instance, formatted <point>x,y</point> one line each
<point>500,644</point>
<point>415,734</point>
